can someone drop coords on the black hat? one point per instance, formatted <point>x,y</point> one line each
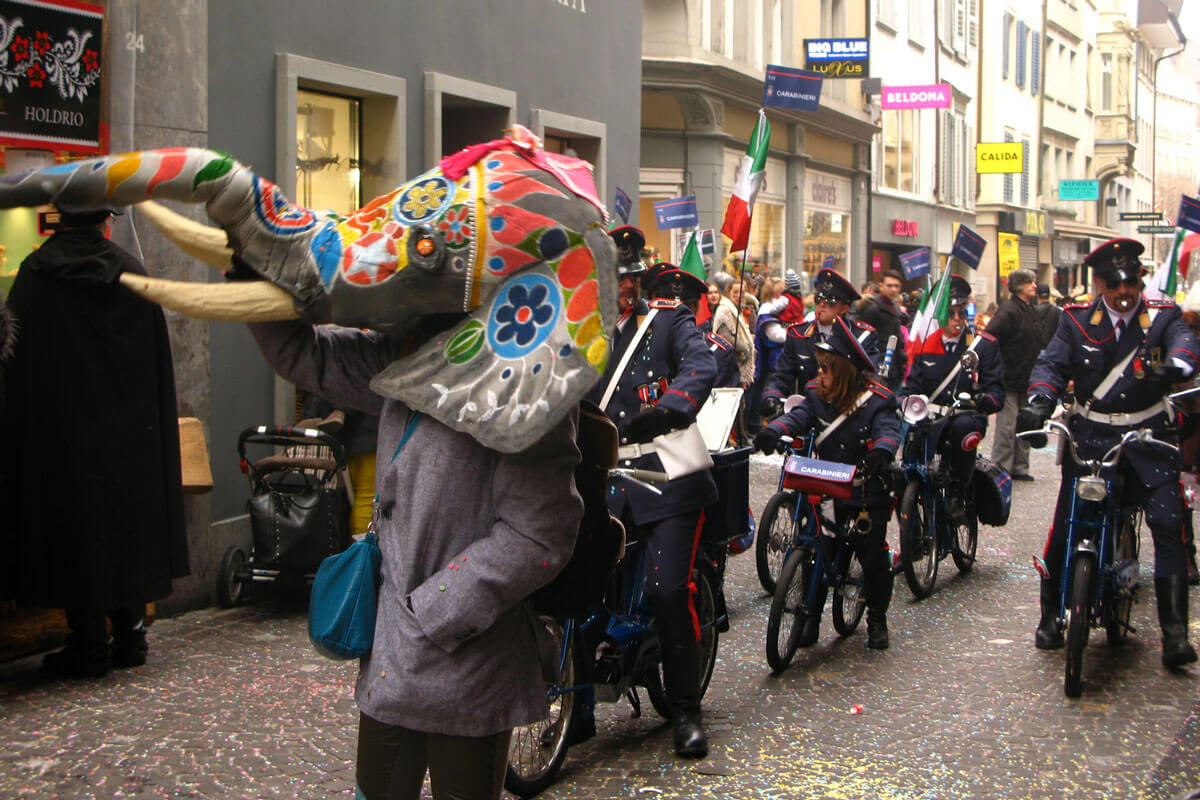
<point>841,341</point>
<point>79,216</point>
<point>831,283</point>
<point>1116,259</point>
<point>665,279</point>
<point>629,241</point>
<point>1043,290</point>
<point>960,290</point>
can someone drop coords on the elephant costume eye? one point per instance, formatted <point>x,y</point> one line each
<point>425,248</point>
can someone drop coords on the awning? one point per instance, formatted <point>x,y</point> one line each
<point>1068,228</point>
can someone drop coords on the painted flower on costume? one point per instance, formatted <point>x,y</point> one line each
<point>525,311</point>
<point>424,199</point>
<point>456,226</point>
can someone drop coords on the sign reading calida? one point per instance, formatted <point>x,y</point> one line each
<point>1000,157</point>
<point>788,87</point>
<point>937,95</point>
<point>837,58</point>
<point>50,74</point>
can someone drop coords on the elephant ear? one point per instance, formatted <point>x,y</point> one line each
<point>515,366</point>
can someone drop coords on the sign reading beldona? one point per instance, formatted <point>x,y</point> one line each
<point>50,74</point>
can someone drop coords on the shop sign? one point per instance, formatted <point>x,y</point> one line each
<point>838,58</point>
<point>788,87</point>
<point>937,95</point>
<point>1009,257</point>
<point>1140,216</point>
<point>1079,190</point>
<point>50,74</point>
<point>906,227</point>
<point>1036,224</point>
<point>677,213</point>
<point>997,157</point>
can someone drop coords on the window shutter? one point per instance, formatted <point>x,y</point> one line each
<point>969,158</point>
<point>1007,45</point>
<point>973,27</point>
<point>944,157</point>
<point>1008,176</point>
<point>1035,65</point>
<point>1025,172</point>
<point>1021,54</point>
<point>960,25</point>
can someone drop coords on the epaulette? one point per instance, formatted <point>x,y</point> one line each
<point>880,389</point>
<point>719,340</point>
<point>866,326</point>
<point>814,383</point>
<point>1076,306</point>
<point>988,336</point>
<point>801,330</point>
<point>664,303</point>
<point>1160,303</point>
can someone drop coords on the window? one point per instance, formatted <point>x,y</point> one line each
<point>459,113</point>
<point>1006,34</point>
<point>1025,170</point>
<point>900,149</point>
<point>328,143</point>
<point>1106,82</point>
<point>1008,176</point>
<point>573,136</point>
<point>1020,71</point>
<point>885,13</point>
<point>916,21</point>
<point>1035,64</point>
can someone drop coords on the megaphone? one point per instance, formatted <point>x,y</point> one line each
<point>915,408</point>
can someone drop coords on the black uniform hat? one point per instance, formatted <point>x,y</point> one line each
<point>629,241</point>
<point>841,341</point>
<point>1116,259</point>
<point>831,283</point>
<point>960,290</point>
<point>665,279</point>
<point>79,216</point>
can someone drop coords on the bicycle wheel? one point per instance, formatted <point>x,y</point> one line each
<point>536,751</point>
<point>1118,599</point>
<point>706,602</point>
<point>966,542</point>
<point>850,598</point>
<point>788,608</point>
<point>1078,624</point>
<point>775,533</point>
<point>918,545</point>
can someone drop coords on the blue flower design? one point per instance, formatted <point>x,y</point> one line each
<point>525,311</point>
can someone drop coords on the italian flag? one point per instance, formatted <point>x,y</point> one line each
<point>750,179</point>
<point>692,261</point>
<point>1165,281</point>
<point>933,314</point>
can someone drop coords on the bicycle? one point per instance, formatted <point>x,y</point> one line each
<point>819,556</point>
<point>626,658</point>
<point>927,532</point>
<point>776,525</point>
<point>1099,580</point>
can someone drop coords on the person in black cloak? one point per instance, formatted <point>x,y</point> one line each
<point>90,476</point>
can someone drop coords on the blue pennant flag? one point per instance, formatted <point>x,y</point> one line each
<point>968,247</point>
<point>915,262</point>
<point>677,213</point>
<point>1189,214</point>
<point>621,205</point>
<point>789,87</point>
<point>827,263</point>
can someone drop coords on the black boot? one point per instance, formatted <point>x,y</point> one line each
<point>129,646</point>
<point>1171,593</point>
<point>877,631</point>
<point>879,597</point>
<point>81,658</point>
<point>1049,634</point>
<point>811,630</point>
<point>681,670</point>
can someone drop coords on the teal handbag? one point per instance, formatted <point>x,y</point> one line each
<point>341,608</point>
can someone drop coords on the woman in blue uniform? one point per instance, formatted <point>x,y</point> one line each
<point>856,416</point>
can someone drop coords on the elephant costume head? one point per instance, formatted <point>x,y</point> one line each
<point>504,233</point>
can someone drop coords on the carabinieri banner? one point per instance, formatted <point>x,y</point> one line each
<point>968,246</point>
<point>788,87</point>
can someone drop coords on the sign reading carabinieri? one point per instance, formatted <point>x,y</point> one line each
<point>50,74</point>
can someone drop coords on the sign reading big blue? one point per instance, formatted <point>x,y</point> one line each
<point>838,58</point>
<point>915,262</point>
<point>968,246</point>
<point>677,213</point>
<point>50,93</point>
<point>789,87</point>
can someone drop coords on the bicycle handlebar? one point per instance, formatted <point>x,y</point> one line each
<point>1110,458</point>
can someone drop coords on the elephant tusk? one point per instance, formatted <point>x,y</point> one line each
<point>198,240</point>
<point>244,301</point>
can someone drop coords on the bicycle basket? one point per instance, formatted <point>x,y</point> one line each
<point>814,476</point>
<point>993,492</point>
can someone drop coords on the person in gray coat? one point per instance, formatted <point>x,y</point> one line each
<point>467,533</point>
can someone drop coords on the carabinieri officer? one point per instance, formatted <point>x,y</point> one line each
<point>660,387</point>
<point>1145,347</point>
<point>797,364</point>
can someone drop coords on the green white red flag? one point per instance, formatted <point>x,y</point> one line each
<point>933,314</point>
<point>1165,281</point>
<point>750,179</point>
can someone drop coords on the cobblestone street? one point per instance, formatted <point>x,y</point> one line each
<point>236,703</point>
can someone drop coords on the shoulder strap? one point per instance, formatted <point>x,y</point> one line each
<point>831,427</point>
<point>953,373</point>
<point>628,354</point>
<point>1112,377</point>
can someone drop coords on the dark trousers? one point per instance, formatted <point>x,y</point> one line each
<point>392,762</point>
<point>1164,517</point>
<point>960,440</point>
<point>670,553</point>
<point>872,551</point>
<point>88,624</point>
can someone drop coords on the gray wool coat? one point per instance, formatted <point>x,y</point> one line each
<point>467,533</point>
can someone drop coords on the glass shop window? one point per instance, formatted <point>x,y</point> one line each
<point>328,147</point>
